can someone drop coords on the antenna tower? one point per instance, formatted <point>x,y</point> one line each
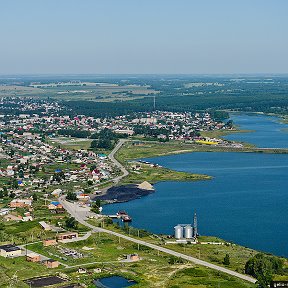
<point>195,225</point>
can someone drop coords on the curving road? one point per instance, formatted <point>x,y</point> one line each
<point>81,217</point>
<point>118,164</point>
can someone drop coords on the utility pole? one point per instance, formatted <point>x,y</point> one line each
<point>26,247</point>
<point>154,102</point>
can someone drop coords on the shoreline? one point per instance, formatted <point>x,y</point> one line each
<point>158,174</point>
<point>129,153</point>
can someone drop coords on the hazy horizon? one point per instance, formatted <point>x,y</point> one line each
<point>144,38</point>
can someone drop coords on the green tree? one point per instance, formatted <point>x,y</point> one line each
<point>21,173</point>
<point>101,144</point>
<point>71,223</point>
<point>15,184</point>
<point>226,260</point>
<point>95,208</point>
<point>71,196</point>
<point>98,202</point>
<point>12,195</point>
<point>175,260</point>
<point>5,191</point>
<point>35,197</point>
<point>90,182</point>
<point>262,267</point>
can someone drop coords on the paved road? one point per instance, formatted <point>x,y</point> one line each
<point>118,164</point>
<point>81,218</point>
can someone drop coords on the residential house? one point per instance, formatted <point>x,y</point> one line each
<point>20,203</point>
<point>67,235</point>
<point>45,226</point>
<point>55,205</point>
<point>10,250</point>
<point>50,263</point>
<point>49,242</point>
<point>33,257</point>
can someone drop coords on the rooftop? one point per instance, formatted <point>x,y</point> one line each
<point>9,248</point>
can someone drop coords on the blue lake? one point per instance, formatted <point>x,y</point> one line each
<point>268,130</point>
<point>113,282</point>
<point>245,202</point>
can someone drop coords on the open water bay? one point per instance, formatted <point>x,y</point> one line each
<point>246,202</point>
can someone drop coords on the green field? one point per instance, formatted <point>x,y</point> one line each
<point>157,174</point>
<point>153,149</point>
<point>98,93</point>
<point>106,252</point>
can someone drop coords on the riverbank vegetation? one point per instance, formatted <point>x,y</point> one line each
<point>153,174</point>
<point>131,151</point>
<point>139,171</point>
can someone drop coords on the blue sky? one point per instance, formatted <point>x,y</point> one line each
<point>143,36</point>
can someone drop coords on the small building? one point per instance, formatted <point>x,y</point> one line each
<point>133,257</point>
<point>50,263</point>
<point>10,250</point>
<point>82,270</point>
<point>83,197</point>
<point>33,257</point>
<point>55,205</point>
<point>67,235</point>
<point>279,284</point>
<point>4,211</point>
<point>49,242</point>
<point>129,132</point>
<point>56,192</point>
<point>20,203</point>
<point>45,226</point>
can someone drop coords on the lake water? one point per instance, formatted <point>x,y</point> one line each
<point>245,202</point>
<point>268,130</point>
<point>113,282</point>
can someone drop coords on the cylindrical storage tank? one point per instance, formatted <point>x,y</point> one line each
<point>178,232</point>
<point>188,232</point>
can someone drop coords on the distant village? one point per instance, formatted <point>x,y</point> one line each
<point>33,157</point>
<point>44,117</point>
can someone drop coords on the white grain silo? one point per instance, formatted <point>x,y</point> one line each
<point>188,232</point>
<point>178,232</point>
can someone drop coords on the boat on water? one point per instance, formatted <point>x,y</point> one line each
<point>121,213</point>
<point>126,218</point>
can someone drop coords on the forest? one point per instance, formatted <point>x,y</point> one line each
<point>191,93</point>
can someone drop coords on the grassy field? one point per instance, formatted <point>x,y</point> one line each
<point>100,93</point>
<point>154,270</point>
<point>70,143</point>
<point>215,254</point>
<point>17,91</point>
<point>154,149</point>
<point>156,174</point>
<point>221,133</point>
